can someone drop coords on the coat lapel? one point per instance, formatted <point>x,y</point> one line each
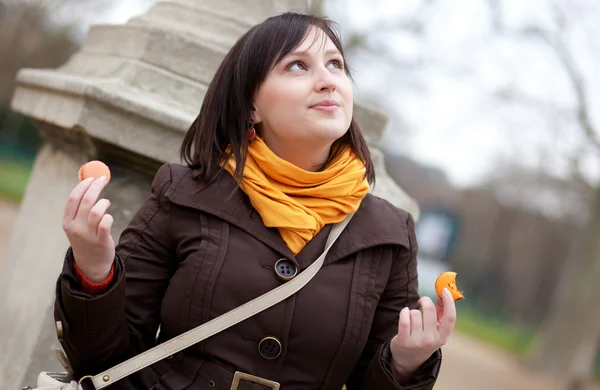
<point>224,200</point>
<point>375,223</point>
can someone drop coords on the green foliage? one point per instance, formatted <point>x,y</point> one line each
<point>13,179</point>
<point>495,331</point>
<point>19,141</point>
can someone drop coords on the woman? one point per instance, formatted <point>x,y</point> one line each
<point>273,160</point>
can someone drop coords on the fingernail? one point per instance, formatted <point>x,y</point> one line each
<point>102,178</point>
<point>89,179</point>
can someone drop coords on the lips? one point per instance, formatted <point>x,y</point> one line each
<point>326,105</point>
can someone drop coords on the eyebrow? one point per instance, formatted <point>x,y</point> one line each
<point>304,52</point>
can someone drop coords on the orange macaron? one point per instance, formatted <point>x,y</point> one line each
<point>94,169</point>
<point>448,280</point>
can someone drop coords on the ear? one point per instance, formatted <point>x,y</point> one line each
<point>255,117</point>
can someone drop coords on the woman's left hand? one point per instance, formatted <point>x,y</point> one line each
<point>421,334</point>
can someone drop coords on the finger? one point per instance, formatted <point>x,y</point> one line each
<point>430,321</point>
<point>404,325</point>
<point>439,307</point>
<point>96,214</point>
<point>449,317</point>
<point>104,226</point>
<point>416,322</point>
<point>74,200</point>
<point>89,199</point>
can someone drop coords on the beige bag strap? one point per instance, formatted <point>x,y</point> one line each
<point>220,323</point>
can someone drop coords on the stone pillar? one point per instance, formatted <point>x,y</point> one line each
<point>127,97</point>
<point>373,122</point>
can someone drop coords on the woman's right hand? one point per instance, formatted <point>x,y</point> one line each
<point>88,229</point>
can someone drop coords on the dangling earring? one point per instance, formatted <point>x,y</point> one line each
<point>251,132</point>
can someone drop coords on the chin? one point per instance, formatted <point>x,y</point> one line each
<point>329,133</point>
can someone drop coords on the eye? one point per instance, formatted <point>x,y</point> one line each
<point>337,63</point>
<point>296,65</point>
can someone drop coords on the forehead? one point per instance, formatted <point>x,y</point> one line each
<point>316,40</point>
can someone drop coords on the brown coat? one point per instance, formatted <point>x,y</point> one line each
<point>194,251</point>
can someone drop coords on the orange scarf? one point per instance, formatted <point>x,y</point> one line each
<point>297,202</point>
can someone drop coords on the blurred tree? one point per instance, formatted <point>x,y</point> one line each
<point>537,241</point>
<point>27,40</point>
<point>38,34</point>
<point>490,60</point>
<point>33,34</point>
<point>569,341</point>
<point>42,34</point>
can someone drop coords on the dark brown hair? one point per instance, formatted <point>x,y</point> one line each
<point>226,110</point>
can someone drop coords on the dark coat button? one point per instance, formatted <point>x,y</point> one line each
<point>270,348</point>
<point>286,269</point>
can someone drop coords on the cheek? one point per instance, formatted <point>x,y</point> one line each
<point>347,92</point>
<point>277,100</point>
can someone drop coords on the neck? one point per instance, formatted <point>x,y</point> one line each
<point>310,158</point>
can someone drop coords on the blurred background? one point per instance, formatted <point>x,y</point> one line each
<point>492,131</point>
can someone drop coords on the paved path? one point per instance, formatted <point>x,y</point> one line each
<point>469,364</point>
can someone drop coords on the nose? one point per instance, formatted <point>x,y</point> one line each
<point>325,81</point>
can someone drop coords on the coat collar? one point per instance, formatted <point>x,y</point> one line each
<point>375,223</point>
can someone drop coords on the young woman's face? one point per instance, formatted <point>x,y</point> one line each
<point>307,98</point>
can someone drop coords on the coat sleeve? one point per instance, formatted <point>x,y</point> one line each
<point>103,330</point>
<point>374,369</point>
